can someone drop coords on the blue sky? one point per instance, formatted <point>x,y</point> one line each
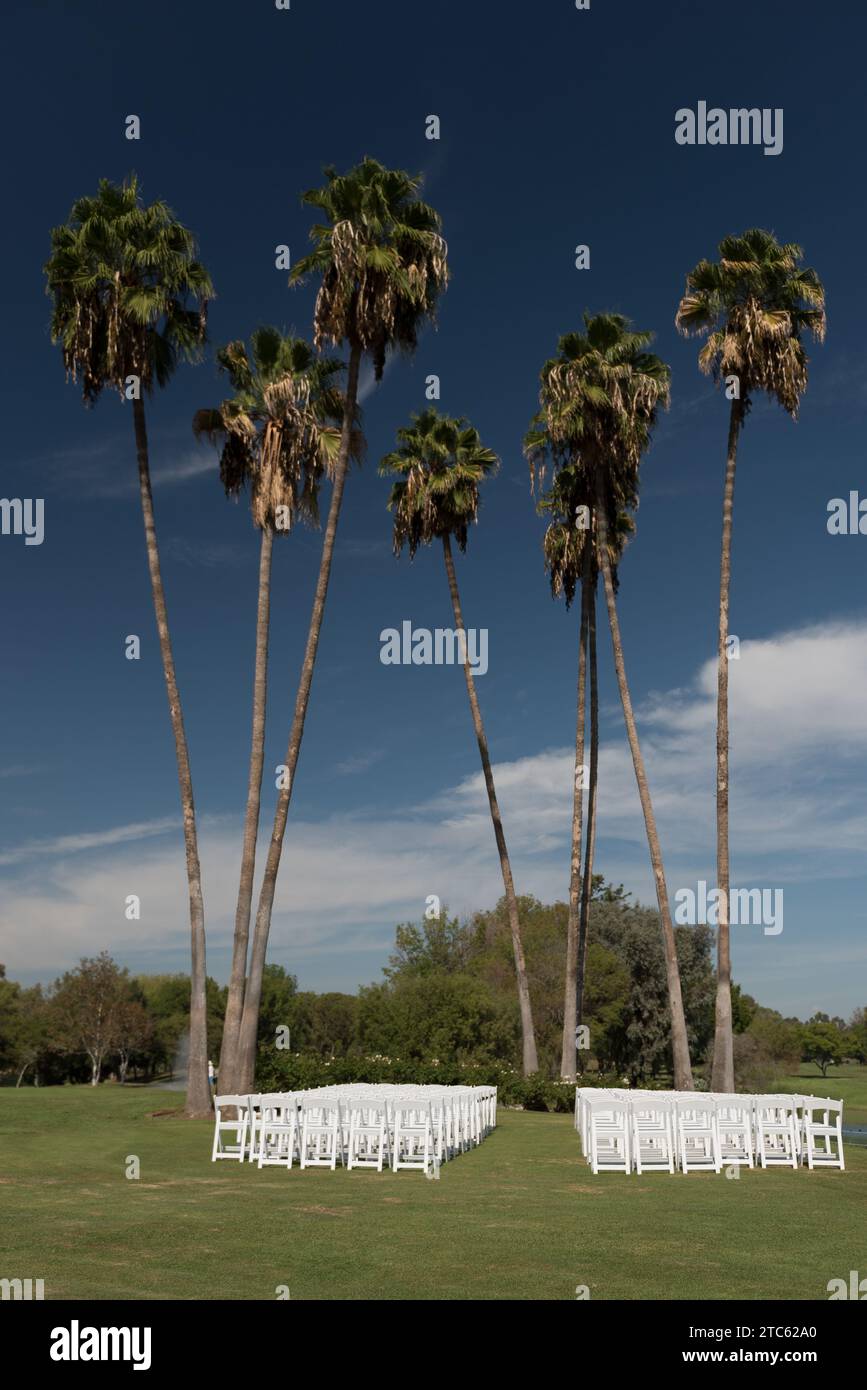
<point>557,128</point>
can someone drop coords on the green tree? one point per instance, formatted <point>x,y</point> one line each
<point>133,1031</point>
<point>86,1007</point>
<point>439,465</point>
<point>857,1035</point>
<point>328,1023</point>
<point>434,1017</point>
<point>383,263</point>
<point>743,1009</point>
<point>31,1034</point>
<point>129,302</point>
<point>754,304</point>
<point>440,943</point>
<point>824,1044</point>
<point>9,994</point>
<point>279,435</point>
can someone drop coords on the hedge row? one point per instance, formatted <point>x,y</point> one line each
<point>296,1071</point>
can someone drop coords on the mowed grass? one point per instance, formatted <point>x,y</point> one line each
<point>847,1083</point>
<point>519,1218</point>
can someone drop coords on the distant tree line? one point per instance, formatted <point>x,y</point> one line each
<point>447,998</point>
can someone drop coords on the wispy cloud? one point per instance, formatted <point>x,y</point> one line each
<point>350,767</point>
<point>98,839</point>
<point>361,549</point>
<point>207,554</point>
<point>123,482</point>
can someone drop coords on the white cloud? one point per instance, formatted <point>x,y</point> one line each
<point>799,732</point>
<point>99,839</point>
<point>361,762</point>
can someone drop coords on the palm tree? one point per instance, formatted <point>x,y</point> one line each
<point>383,264</point>
<point>592,794</point>
<point>599,400</point>
<point>279,433</point>
<point>439,464</point>
<point>569,549</point>
<point>569,553</point>
<point>129,303</point>
<point>754,305</point>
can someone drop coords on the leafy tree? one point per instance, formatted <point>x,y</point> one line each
<point>754,306</point>
<point>445,1017</point>
<point>31,1036</point>
<point>775,1043</point>
<point>822,1043</point>
<point>166,1000</point>
<point>857,1035</point>
<point>9,992</point>
<point>86,1007</point>
<point>743,1009</point>
<point>438,944</point>
<point>279,989</point>
<point>324,1024</point>
<point>133,1032</point>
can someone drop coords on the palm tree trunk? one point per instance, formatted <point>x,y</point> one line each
<point>198,1091</point>
<point>679,1041</point>
<point>570,1004</point>
<point>528,1036</point>
<point>228,1067</point>
<point>253,992</point>
<point>723,1069</point>
<point>587,883</point>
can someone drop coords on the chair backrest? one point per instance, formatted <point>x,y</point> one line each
<point>827,1106</point>
<point>223,1102</point>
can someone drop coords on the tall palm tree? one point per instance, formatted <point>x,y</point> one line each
<point>754,305</point>
<point>129,303</point>
<point>383,264</point>
<point>279,434</point>
<point>592,801</point>
<point>599,400</point>
<point>569,553</point>
<point>440,463</point>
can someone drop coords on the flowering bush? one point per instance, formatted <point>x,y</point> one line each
<point>298,1071</point>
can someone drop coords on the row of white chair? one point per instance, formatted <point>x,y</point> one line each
<point>625,1131</point>
<point>359,1126</point>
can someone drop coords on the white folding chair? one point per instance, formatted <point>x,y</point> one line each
<point>819,1135</point>
<point>697,1133</point>
<point>734,1115</point>
<point>222,1125</point>
<point>413,1145</point>
<point>652,1134</point>
<point>608,1135</point>
<point>368,1142</point>
<point>321,1132</point>
<point>278,1130</point>
<point>776,1137</point>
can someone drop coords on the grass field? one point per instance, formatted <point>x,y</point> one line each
<point>520,1217</point>
<point>847,1083</point>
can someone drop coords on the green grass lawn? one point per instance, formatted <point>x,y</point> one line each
<point>519,1217</point>
<point>847,1083</point>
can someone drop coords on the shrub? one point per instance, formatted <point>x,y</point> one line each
<point>298,1071</point>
